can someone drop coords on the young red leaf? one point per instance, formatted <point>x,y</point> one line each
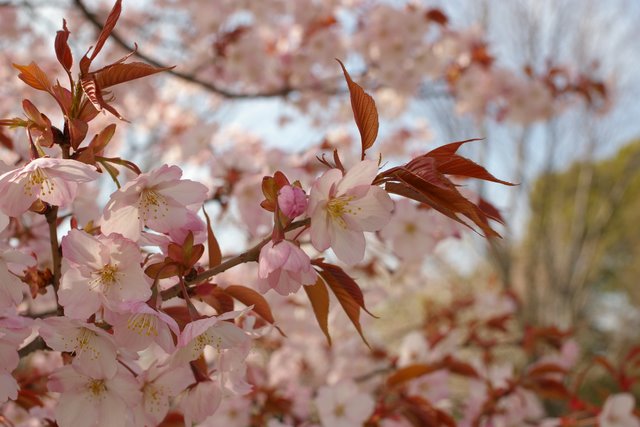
<point>448,162</point>
<point>100,141</point>
<point>64,98</point>
<point>77,132</point>
<point>163,270</point>
<point>120,73</point>
<point>365,112</point>
<point>94,94</point>
<point>459,367</point>
<point>5,140</point>
<point>63,52</point>
<point>215,255</point>
<point>180,314</point>
<point>249,297</point>
<point>448,202</point>
<point>33,75</point>
<point>319,297</point>
<point>544,369</point>
<point>411,372</point>
<point>108,27</point>
<point>215,297</point>
<point>548,388</point>
<point>350,306</point>
<point>345,281</point>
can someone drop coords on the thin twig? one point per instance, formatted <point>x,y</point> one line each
<point>275,93</point>
<point>247,256</point>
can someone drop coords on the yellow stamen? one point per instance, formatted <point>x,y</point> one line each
<point>152,205</point>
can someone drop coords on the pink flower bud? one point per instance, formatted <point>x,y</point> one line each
<point>292,201</point>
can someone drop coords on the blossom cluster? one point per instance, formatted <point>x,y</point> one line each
<point>119,308</point>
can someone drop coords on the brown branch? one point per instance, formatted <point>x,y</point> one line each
<point>247,256</point>
<point>280,92</point>
<point>56,256</point>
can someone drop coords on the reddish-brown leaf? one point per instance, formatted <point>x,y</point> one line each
<point>411,372</point>
<point>63,52</point>
<point>350,306</point>
<point>215,297</point>
<point>548,388</point>
<point>437,16</point>
<point>63,97</point>
<point>180,314</point>
<point>163,270</point>
<point>120,73</point>
<point>100,141</point>
<point>94,94</point>
<point>319,297</point>
<point>345,281</point>
<point>215,255</point>
<point>87,111</point>
<point>248,297</point>
<point>33,75</point>
<point>77,132</point>
<point>453,164</point>
<point>447,201</point>
<point>107,28</point>
<point>459,367</point>
<point>365,112</point>
<point>545,369</point>
<point>5,140</point>
<point>490,211</point>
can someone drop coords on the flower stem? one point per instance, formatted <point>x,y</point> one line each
<point>52,220</point>
<point>247,256</point>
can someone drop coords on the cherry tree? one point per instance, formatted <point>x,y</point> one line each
<point>121,304</point>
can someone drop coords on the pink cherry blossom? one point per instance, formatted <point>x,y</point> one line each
<point>343,405</point>
<point>618,411</point>
<point>12,262</point>
<point>159,200</point>
<point>342,208</point>
<point>95,401</point>
<point>4,221</point>
<point>284,267</point>
<point>95,351</point>
<point>13,331</point>
<point>411,231</point>
<point>292,201</point>
<point>200,401</point>
<point>141,325</point>
<point>54,181</point>
<point>100,272</point>
<point>159,385</point>
<point>211,331</point>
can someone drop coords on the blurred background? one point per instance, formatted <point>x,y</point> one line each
<point>551,86</point>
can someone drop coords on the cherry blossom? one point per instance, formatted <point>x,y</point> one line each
<point>139,325</point>
<point>95,401</point>
<point>159,200</point>
<point>12,262</point>
<point>53,181</point>
<point>200,401</point>
<point>411,231</point>
<point>94,349</point>
<point>100,272</point>
<point>211,331</point>
<point>343,405</point>
<point>159,385</point>
<point>342,208</point>
<point>13,331</point>
<point>618,411</point>
<point>284,267</point>
<point>292,201</point>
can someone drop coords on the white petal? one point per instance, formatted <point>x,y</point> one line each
<point>361,174</point>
